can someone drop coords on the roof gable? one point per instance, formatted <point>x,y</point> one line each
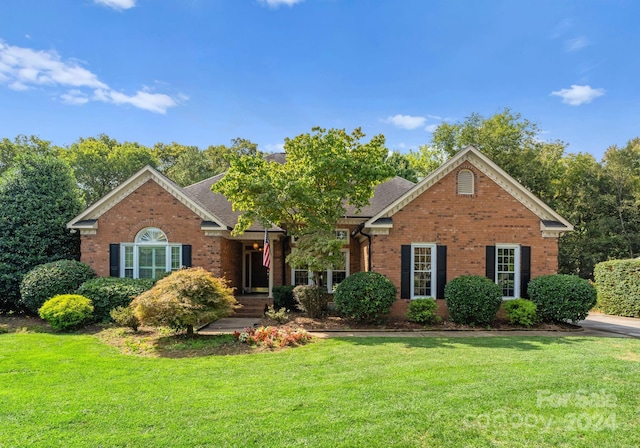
<point>470,154</point>
<point>89,217</point>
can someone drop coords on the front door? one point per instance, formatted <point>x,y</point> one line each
<point>256,275</point>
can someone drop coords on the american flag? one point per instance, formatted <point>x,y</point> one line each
<point>266,253</point>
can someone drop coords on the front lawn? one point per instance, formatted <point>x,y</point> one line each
<point>73,390</point>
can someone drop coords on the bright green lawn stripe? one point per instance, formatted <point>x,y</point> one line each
<point>71,390</point>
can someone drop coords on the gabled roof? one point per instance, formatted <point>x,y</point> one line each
<point>549,219</point>
<point>88,218</point>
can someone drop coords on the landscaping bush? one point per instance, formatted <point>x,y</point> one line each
<point>521,312</point>
<point>618,287</point>
<point>38,196</point>
<point>273,337</point>
<point>281,316</point>
<point>66,311</point>
<point>107,293</point>
<point>123,316</point>
<point>311,299</point>
<point>365,296</point>
<point>283,297</point>
<point>52,279</point>
<point>184,299</point>
<point>561,297</point>
<point>423,311</point>
<point>472,299</point>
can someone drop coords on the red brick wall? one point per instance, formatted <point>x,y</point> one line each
<point>152,206</point>
<point>466,225</point>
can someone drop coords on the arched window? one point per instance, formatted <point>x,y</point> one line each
<point>150,256</point>
<point>466,182</point>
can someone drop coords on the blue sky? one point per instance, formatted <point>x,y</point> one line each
<point>202,72</point>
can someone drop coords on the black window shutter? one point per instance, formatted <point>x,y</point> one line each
<point>525,270</point>
<point>441,274</point>
<point>186,255</point>
<point>405,271</point>
<point>114,260</point>
<point>491,263</point>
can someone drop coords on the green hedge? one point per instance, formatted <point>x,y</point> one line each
<point>108,293</point>
<point>618,285</point>
<point>472,299</point>
<point>66,311</point>
<point>561,297</point>
<point>51,279</point>
<point>283,298</point>
<point>365,296</point>
<point>521,312</point>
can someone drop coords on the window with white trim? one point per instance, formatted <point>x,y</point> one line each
<point>466,182</point>
<point>423,270</point>
<point>508,269</point>
<point>330,278</point>
<point>150,256</point>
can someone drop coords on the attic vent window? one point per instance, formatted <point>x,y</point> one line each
<point>465,182</point>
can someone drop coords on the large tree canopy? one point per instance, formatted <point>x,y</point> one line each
<point>38,196</point>
<point>101,164</point>
<point>325,172</point>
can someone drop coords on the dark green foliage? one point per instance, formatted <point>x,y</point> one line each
<point>521,312</point>
<point>561,297</point>
<point>123,316</point>
<point>423,311</point>
<point>472,299</point>
<point>52,279</point>
<point>283,297</point>
<point>107,293</point>
<point>311,299</point>
<point>66,311</point>
<point>618,285</point>
<point>38,196</point>
<point>365,296</point>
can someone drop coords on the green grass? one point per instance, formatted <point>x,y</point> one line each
<point>72,390</point>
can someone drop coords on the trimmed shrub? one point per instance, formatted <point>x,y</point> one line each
<point>66,311</point>
<point>561,297</point>
<point>123,316</point>
<point>365,296</point>
<point>311,299</point>
<point>618,286</point>
<point>521,312</point>
<point>423,311</point>
<point>283,297</point>
<point>52,279</point>
<point>184,299</point>
<point>472,299</point>
<point>281,316</point>
<point>107,293</point>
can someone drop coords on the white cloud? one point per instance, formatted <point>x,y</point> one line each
<point>24,68</point>
<point>577,95</point>
<point>117,4</point>
<point>406,121</point>
<point>276,3</point>
<point>575,44</point>
<point>74,96</point>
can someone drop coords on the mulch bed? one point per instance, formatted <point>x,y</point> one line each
<point>335,323</point>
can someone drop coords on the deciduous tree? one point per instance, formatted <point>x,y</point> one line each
<point>325,172</point>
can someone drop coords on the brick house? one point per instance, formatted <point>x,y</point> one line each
<point>467,217</point>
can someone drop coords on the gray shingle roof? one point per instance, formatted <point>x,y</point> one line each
<point>384,194</point>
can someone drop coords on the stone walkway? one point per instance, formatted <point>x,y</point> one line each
<point>600,325</point>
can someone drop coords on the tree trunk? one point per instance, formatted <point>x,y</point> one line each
<point>190,331</point>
